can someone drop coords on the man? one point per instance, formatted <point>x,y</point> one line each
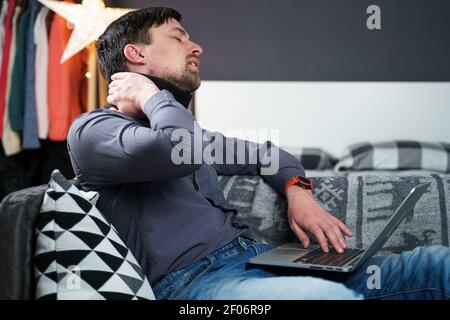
<point>174,217</point>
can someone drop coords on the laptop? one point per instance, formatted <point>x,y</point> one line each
<point>293,255</point>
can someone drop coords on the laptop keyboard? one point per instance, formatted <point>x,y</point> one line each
<point>332,258</point>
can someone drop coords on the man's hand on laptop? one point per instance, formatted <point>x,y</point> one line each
<point>129,92</point>
<point>306,215</point>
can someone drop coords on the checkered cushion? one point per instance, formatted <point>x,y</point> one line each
<point>315,159</point>
<point>79,255</point>
<point>396,155</point>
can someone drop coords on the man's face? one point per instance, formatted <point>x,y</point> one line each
<point>172,56</point>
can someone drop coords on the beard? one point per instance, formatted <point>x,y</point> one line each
<point>187,80</point>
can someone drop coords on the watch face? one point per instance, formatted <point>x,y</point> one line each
<point>304,180</point>
<point>304,183</point>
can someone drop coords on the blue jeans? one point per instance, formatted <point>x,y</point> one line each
<point>423,273</point>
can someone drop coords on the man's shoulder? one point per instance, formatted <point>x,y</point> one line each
<point>88,121</point>
<point>96,118</point>
<point>91,124</point>
<point>89,115</point>
<point>101,112</point>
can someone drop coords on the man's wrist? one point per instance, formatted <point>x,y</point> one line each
<point>147,94</point>
<point>300,182</point>
<point>295,191</point>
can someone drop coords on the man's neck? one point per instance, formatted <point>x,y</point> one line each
<point>181,96</point>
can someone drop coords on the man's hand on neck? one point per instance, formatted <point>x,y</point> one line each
<point>129,92</point>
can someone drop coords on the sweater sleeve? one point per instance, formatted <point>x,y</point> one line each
<point>273,164</point>
<point>110,148</point>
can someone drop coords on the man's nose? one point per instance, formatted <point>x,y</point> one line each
<point>195,48</point>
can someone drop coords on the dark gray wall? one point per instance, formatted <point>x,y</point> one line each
<point>324,40</point>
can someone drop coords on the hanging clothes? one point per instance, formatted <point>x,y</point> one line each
<point>11,140</point>
<point>30,136</point>
<point>3,12</point>
<point>16,105</point>
<point>22,82</point>
<point>67,85</point>
<point>5,60</point>
<point>41,69</point>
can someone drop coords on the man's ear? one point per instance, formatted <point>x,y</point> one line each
<point>133,54</point>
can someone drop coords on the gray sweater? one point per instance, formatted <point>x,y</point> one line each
<point>169,215</point>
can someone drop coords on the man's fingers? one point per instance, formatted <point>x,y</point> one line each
<point>114,83</point>
<point>118,75</point>
<point>110,99</point>
<point>318,233</point>
<point>344,228</point>
<point>301,235</point>
<point>111,90</point>
<point>338,233</point>
<point>335,238</point>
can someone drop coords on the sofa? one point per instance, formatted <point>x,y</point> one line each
<point>363,200</point>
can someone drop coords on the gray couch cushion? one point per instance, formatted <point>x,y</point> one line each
<point>363,202</point>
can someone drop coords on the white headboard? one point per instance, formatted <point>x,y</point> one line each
<point>330,115</point>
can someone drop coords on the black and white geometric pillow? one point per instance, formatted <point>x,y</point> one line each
<point>79,255</point>
<point>396,155</point>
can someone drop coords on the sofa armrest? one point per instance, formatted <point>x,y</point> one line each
<point>18,212</point>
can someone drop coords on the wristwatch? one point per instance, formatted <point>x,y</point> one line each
<point>299,181</point>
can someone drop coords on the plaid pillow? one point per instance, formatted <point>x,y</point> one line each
<point>316,159</point>
<point>397,155</point>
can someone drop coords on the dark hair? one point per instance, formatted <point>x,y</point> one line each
<point>130,28</point>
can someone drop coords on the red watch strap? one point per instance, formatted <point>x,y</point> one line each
<point>299,181</point>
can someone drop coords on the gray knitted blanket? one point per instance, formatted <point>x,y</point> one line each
<point>363,201</point>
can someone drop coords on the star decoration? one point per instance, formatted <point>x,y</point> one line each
<point>90,19</point>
